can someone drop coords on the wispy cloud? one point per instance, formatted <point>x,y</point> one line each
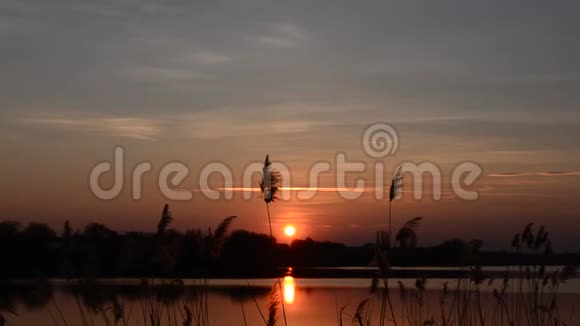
<point>203,57</point>
<point>136,128</point>
<point>233,129</point>
<point>170,57</point>
<point>543,174</point>
<point>175,48</point>
<point>7,25</point>
<point>283,35</point>
<point>165,74</point>
<point>245,122</point>
<point>219,123</point>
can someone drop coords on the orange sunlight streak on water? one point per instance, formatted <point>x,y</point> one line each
<point>289,289</point>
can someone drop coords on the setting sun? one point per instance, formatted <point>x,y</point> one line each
<point>289,230</point>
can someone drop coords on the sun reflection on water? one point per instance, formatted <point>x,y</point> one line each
<point>289,289</point>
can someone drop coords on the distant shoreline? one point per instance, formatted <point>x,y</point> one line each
<point>347,272</point>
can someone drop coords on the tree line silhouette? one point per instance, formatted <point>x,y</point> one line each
<point>97,251</point>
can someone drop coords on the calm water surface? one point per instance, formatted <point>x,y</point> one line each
<point>307,301</point>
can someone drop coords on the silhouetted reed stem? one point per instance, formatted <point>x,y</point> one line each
<point>390,222</point>
<point>278,278</point>
<point>269,220</point>
<point>244,314</point>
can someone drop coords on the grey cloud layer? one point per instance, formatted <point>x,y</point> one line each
<point>493,74</point>
<point>448,53</point>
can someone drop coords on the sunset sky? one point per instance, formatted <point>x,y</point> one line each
<point>492,82</point>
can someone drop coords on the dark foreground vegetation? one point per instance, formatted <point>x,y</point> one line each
<point>37,251</point>
<point>525,292</point>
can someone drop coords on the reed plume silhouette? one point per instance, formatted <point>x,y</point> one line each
<point>269,186</point>
<point>394,193</point>
<point>165,220</point>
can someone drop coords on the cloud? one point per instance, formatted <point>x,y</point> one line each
<point>258,121</point>
<point>174,47</point>
<point>165,74</point>
<point>513,194</point>
<point>16,26</point>
<point>167,57</point>
<point>543,174</point>
<point>274,41</point>
<point>219,123</point>
<point>283,35</point>
<point>205,57</point>
<point>136,128</point>
<point>219,127</point>
<point>7,25</point>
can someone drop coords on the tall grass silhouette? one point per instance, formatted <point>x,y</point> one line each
<point>394,193</point>
<point>526,296</point>
<point>166,302</point>
<point>269,188</point>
